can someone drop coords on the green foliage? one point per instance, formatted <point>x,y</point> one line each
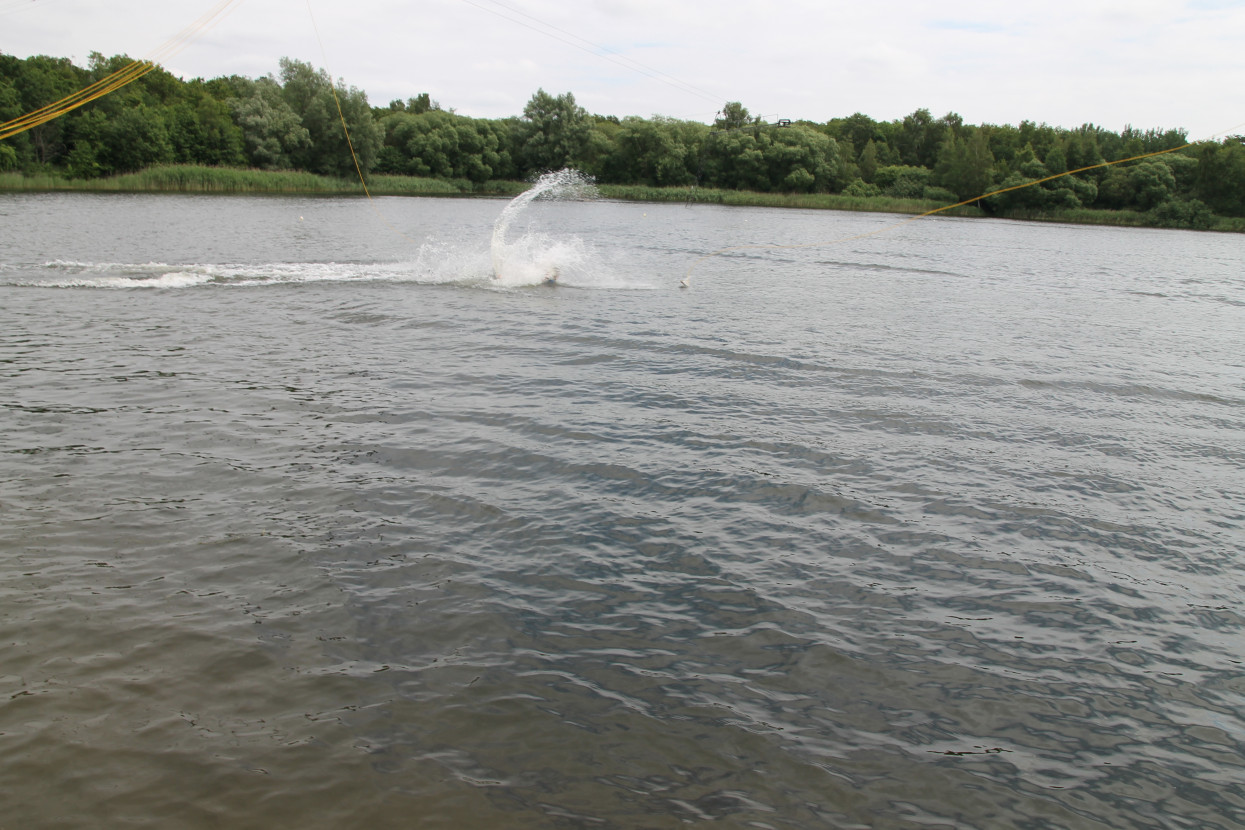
<point>202,131</point>
<point>1220,180</point>
<point>902,181</point>
<point>862,189</point>
<point>802,160</point>
<point>1152,184</point>
<point>312,96</point>
<point>442,144</point>
<point>733,116</point>
<point>553,133</point>
<point>762,158</point>
<point>271,131</point>
<point>135,138</point>
<point>868,161</point>
<point>658,151</point>
<point>939,194</point>
<point>291,122</point>
<point>1063,193</point>
<point>965,168</point>
<point>859,129</point>
<point>1180,213</point>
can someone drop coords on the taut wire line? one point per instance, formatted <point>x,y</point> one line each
<point>346,130</point>
<point>127,74</point>
<point>131,72</point>
<point>911,219</point>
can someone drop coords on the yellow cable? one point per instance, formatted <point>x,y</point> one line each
<point>346,130</point>
<point>910,219</point>
<point>111,83</point>
<point>116,80</point>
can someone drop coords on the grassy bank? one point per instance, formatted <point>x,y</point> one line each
<point>194,179</point>
<point>1119,218</point>
<point>746,198</point>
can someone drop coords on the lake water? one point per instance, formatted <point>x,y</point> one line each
<point>308,522</point>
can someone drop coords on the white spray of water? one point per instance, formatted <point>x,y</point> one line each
<point>537,258</point>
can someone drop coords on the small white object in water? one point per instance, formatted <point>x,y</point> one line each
<point>683,283</point>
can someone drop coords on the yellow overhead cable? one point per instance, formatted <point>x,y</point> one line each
<point>100,88</point>
<point>111,83</point>
<point>349,143</point>
<point>888,228</point>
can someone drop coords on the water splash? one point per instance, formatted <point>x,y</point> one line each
<point>536,258</point>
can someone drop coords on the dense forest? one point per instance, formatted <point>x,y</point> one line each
<point>290,122</point>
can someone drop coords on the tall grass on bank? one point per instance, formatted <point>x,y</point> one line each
<point>185,178</point>
<point>747,198</point>
<point>1119,218</point>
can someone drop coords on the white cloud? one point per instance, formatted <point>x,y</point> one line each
<point>1145,62</point>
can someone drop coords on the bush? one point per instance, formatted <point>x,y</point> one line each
<point>862,189</point>
<point>1179,213</point>
<point>902,181</point>
<point>940,194</point>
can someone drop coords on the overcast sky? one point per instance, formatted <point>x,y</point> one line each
<point>1149,63</point>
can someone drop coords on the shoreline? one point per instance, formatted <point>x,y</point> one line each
<point>235,181</point>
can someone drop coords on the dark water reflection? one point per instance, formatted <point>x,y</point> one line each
<point>937,529</point>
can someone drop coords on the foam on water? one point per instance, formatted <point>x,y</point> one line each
<point>535,257</point>
<point>70,274</point>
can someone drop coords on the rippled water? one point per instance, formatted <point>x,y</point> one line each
<point>310,523</point>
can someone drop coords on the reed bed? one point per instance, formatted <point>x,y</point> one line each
<point>184,178</point>
<point>746,198</point>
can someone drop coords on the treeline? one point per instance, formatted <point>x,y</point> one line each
<point>290,122</point>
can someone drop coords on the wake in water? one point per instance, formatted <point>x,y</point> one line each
<point>527,247</point>
<point>71,274</point>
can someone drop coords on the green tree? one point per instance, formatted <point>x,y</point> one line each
<point>966,168</point>
<point>600,154</point>
<point>10,108</point>
<point>652,152</point>
<point>903,181</point>
<point>202,131</point>
<point>1062,193</point>
<point>1220,181</point>
<point>553,133</point>
<point>1152,184</point>
<point>733,116</point>
<point>1056,160</point>
<point>271,131</point>
<point>800,159</point>
<point>868,161</point>
<point>1147,184</point>
<point>734,160</point>
<point>1181,213</point>
<point>441,144</point>
<point>1082,149</point>
<point>82,161</point>
<point>134,139</point>
<point>918,136</point>
<point>41,81</point>
<point>857,128</point>
<point>310,94</point>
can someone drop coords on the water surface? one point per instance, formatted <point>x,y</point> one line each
<point>308,521</point>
